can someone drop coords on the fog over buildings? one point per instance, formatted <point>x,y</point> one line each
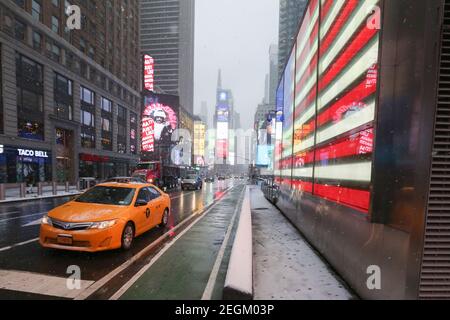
<point>234,36</point>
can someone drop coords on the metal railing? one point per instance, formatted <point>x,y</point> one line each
<point>18,191</point>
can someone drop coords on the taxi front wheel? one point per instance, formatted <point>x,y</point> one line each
<point>127,236</point>
<point>165,218</point>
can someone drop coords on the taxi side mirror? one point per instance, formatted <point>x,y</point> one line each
<point>140,203</point>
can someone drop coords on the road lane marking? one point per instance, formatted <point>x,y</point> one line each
<point>207,294</point>
<point>33,223</point>
<point>39,284</point>
<point>18,244</point>
<point>8,213</point>
<point>130,282</point>
<point>26,216</point>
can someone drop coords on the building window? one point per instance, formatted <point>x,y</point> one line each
<point>106,105</point>
<point>63,90</point>
<point>87,118</point>
<point>133,133</point>
<point>20,3</point>
<point>36,10</point>
<point>83,45</point>
<point>37,40</point>
<point>106,124</point>
<point>87,98</point>
<point>121,129</point>
<point>55,24</point>
<point>88,140</point>
<point>66,6</point>
<point>30,106</point>
<point>53,51</point>
<point>20,30</point>
<point>91,52</point>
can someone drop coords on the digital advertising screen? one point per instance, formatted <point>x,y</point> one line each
<point>264,156</point>
<point>223,111</point>
<point>159,120</point>
<point>329,103</point>
<point>149,73</point>
<point>288,107</point>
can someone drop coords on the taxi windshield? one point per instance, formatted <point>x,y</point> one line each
<point>108,195</point>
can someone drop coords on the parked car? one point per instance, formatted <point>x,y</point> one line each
<point>191,182</point>
<point>210,179</point>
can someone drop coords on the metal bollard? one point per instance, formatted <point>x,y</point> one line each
<point>22,190</point>
<point>54,188</point>
<point>2,192</point>
<point>67,186</point>
<point>40,189</point>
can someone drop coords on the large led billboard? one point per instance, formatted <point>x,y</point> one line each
<point>159,120</point>
<point>223,144</point>
<point>279,130</point>
<point>264,156</point>
<point>335,87</point>
<point>149,73</point>
<point>288,107</point>
<point>223,112</point>
<point>305,98</point>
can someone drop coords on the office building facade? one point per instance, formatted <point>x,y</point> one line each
<point>167,34</point>
<point>69,98</point>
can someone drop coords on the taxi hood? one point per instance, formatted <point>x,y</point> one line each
<point>86,212</point>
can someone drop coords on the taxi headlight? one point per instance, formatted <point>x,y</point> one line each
<point>103,224</point>
<point>46,220</point>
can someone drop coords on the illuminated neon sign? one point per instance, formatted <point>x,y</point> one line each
<point>149,72</point>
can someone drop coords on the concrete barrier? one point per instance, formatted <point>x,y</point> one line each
<point>239,279</point>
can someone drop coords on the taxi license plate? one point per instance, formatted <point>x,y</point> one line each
<point>66,240</point>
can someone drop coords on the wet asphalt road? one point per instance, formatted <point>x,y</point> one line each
<point>20,249</point>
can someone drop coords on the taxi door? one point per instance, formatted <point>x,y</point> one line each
<point>143,211</point>
<point>158,204</point>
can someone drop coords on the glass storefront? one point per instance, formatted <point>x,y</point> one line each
<point>19,164</point>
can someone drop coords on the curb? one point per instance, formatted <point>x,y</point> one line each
<point>239,278</point>
<point>41,197</point>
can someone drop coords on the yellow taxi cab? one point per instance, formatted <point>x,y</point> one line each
<point>107,216</point>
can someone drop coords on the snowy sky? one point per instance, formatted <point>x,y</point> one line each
<point>234,35</point>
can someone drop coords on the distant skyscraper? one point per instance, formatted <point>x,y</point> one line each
<point>223,123</point>
<point>273,73</point>
<point>204,113</point>
<point>167,34</point>
<point>291,11</point>
<point>266,89</point>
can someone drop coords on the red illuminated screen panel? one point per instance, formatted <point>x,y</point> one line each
<point>336,73</point>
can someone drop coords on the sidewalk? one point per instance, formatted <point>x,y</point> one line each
<point>13,195</point>
<point>285,267</point>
